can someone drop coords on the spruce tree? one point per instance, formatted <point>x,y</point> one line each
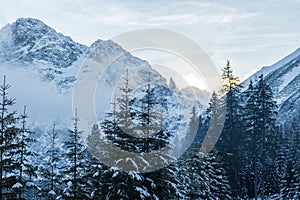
<point>94,183</point>
<point>218,183</point>
<point>213,123</point>
<point>25,170</point>
<point>261,142</point>
<point>249,170</point>
<point>76,165</point>
<point>290,188</point>
<point>50,178</point>
<point>163,183</point>
<point>184,185</point>
<point>229,142</point>
<point>205,177</point>
<point>123,185</point>
<point>111,182</point>
<point>267,139</point>
<point>8,146</point>
<point>117,184</point>
<point>197,176</point>
<point>124,116</point>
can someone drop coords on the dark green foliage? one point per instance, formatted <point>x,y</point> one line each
<point>123,185</point>
<point>163,183</point>
<point>50,178</point>
<point>76,165</point>
<point>260,174</point>
<point>218,180</point>
<point>8,143</point>
<point>253,158</point>
<point>25,170</point>
<point>290,186</point>
<point>229,142</point>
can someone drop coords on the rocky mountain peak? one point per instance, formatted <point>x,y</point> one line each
<point>30,41</point>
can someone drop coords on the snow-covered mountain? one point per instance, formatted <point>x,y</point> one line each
<point>30,41</point>
<point>284,80</point>
<point>38,48</point>
<point>42,65</point>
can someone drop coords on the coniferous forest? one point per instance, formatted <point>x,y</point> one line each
<point>255,157</point>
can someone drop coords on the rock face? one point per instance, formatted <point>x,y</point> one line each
<point>30,41</point>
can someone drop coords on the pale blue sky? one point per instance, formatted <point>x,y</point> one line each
<point>251,34</point>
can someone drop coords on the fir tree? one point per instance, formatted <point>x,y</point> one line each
<point>184,184</point>
<point>75,171</point>
<point>267,139</point>
<point>261,141</point>
<point>117,184</point>
<point>163,183</point>
<point>249,170</point>
<point>94,177</point>
<point>213,123</point>
<point>205,178</point>
<point>111,182</point>
<point>218,183</point>
<point>198,179</point>
<point>290,188</point>
<point>124,116</point>
<point>49,170</point>
<point>8,146</point>
<point>123,185</point>
<point>25,170</point>
<point>229,81</point>
<point>229,142</point>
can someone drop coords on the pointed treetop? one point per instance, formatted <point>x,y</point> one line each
<point>229,81</point>
<point>5,86</point>
<point>24,115</point>
<point>76,119</point>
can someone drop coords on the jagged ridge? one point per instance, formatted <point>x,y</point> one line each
<point>30,41</point>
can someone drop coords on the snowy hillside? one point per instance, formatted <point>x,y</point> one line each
<point>284,79</point>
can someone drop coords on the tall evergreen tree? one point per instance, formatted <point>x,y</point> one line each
<point>25,170</point>
<point>196,176</point>
<point>148,119</point>
<point>229,142</point>
<point>123,185</point>
<point>75,171</point>
<point>218,183</point>
<point>94,182</point>
<point>163,183</point>
<point>50,178</point>
<point>124,116</point>
<point>261,140</point>
<point>249,171</point>
<point>265,122</point>
<point>8,146</point>
<point>213,123</point>
<point>290,188</point>
<point>117,184</point>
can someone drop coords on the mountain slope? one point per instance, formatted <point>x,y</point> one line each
<point>284,79</point>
